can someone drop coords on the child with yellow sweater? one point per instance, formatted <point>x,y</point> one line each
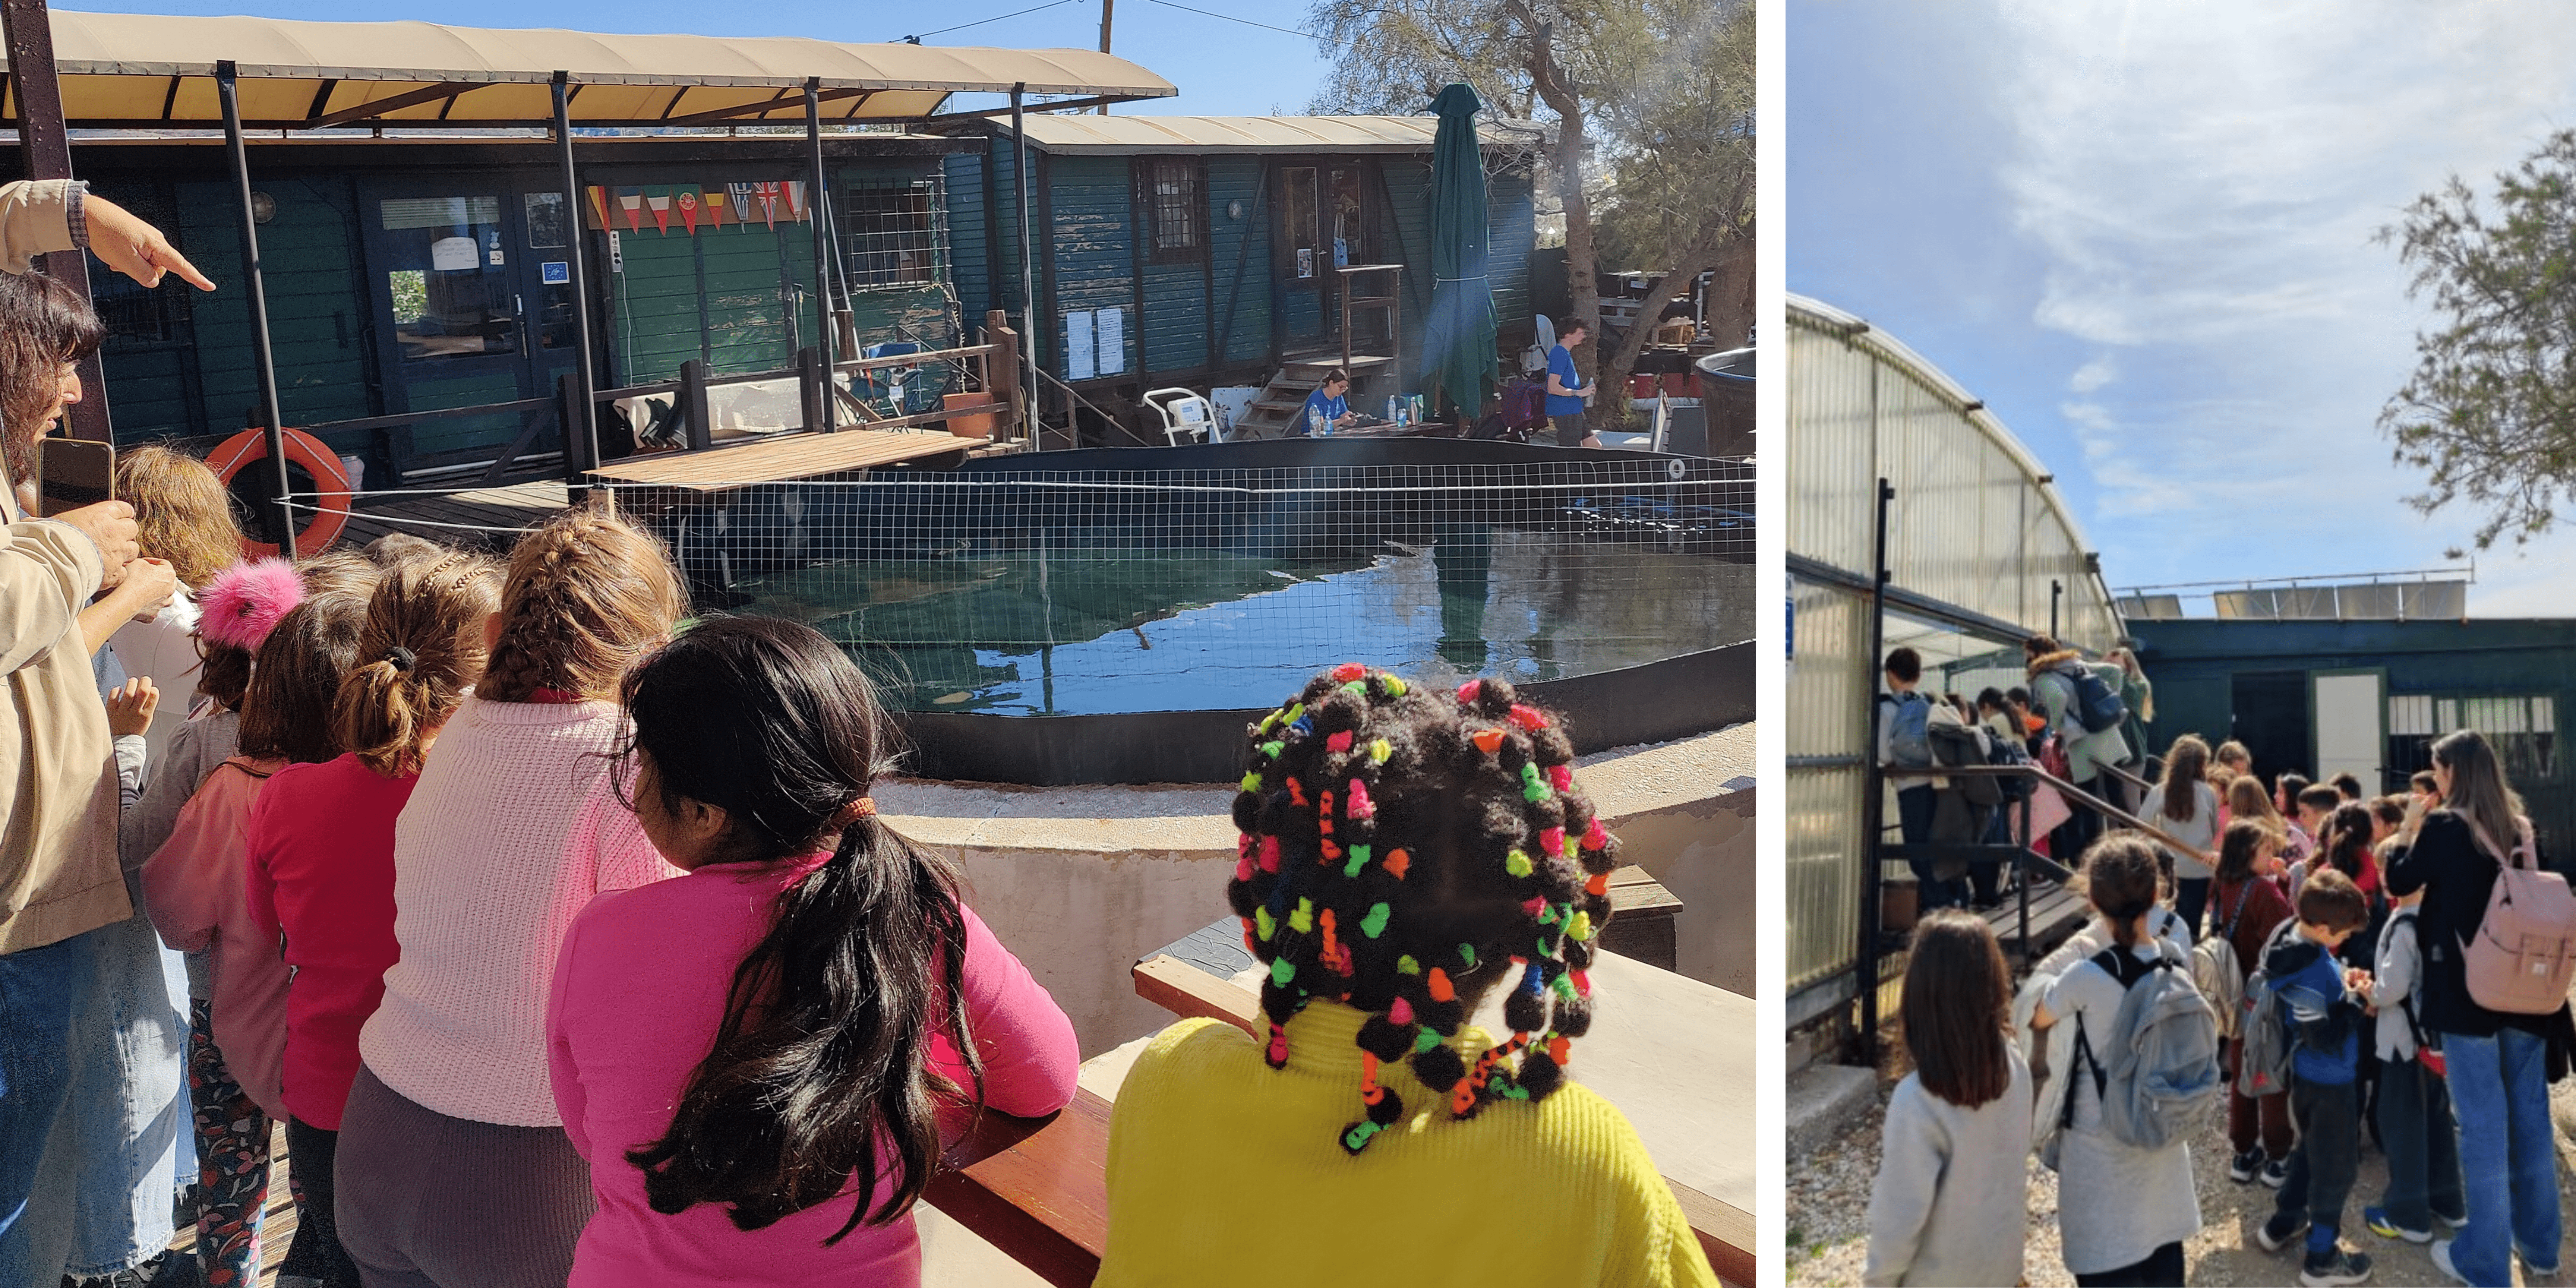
<point>1404,851</point>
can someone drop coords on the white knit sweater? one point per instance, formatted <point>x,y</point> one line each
<point>512,828</point>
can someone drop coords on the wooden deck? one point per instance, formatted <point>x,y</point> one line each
<point>786,457</point>
<point>488,517</point>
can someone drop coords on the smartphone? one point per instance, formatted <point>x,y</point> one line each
<point>73,472</point>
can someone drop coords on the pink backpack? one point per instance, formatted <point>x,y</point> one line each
<point>2524,952</point>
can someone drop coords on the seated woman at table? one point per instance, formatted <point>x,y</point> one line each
<point>814,997</point>
<point>1329,404</point>
<point>1404,852</point>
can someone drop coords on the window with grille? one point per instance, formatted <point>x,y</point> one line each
<point>893,236</point>
<point>2523,730</point>
<point>1178,214</point>
<point>136,317</point>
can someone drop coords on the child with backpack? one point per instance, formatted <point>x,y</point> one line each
<point>2246,907</point>
<point>1905,757</point>
<point>1947,1206</point>
<point>2490,1026</point>
<point>2415,1126</point>
<point>2085,712</point>
<point>2323,1024</point>
<point>2126,1200</point>
<point>1406,852</point>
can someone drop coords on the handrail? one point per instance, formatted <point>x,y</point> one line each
<point>2075,796</point>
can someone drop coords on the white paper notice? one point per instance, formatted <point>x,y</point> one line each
<point>1112,341</point>
<point>448,254</point>
<point>1078,353</point>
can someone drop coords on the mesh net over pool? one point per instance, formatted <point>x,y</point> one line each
<point>1092,592</point>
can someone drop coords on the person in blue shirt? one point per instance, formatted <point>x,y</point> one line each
<point>2325,1035</point>
<point>1567,394</point>
<point>1327,400</point>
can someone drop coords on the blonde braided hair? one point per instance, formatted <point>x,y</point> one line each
<point>422,647</point>
<point>588,594</point>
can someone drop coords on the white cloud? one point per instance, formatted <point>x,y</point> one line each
<point>2200,181</point>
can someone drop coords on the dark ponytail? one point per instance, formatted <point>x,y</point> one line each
<point>826,1034</point>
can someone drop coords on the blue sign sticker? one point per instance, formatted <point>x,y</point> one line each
<point>557,270</point>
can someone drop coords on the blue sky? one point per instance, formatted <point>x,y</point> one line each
<point>2142,233</point>
<point>1222,68</point>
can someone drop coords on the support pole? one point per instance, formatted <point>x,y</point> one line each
<point>262,355</point>
<point>581,426</point>
<point>814,198</point>
<point>1028,271</point>
<point>1107,8</point>
<point>1873,811</point>
<point>47,151</point>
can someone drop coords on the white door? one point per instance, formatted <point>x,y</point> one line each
<point>2349,709</point>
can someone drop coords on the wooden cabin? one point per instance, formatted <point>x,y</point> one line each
<point>1201,250</point>
<point>417,239</point>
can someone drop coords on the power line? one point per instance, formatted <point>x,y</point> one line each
<point>1290,31</point>
<point>915,40</point>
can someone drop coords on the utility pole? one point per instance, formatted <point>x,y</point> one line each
<point>46,150</point>
<point>1107,8</point>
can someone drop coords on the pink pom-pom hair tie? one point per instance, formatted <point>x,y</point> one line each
<point>243,603</point>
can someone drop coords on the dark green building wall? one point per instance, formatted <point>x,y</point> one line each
<point>1239,256</point>
<point>2196,666</point>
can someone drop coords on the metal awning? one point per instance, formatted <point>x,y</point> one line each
<point>1139,135</point>
<point>137,70</point>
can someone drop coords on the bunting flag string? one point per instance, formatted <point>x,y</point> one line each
<point>598,207</point>
<point>631,201</point>
<point>687,201</point>
<point>660,202</point>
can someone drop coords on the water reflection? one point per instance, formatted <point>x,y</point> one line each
<point>1058,630</point>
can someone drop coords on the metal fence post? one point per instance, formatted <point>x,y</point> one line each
<point>1873,801</point>
<point>697,415</point>
<point>809,388</point>
<point>262,356</point>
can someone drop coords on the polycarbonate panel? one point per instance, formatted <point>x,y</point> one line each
<point>1827,717</point>
<point>1974,525</point>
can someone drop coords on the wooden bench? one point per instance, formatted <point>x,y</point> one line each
<point>1037,1189</point>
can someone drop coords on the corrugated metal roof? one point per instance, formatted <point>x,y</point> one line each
<point>1123,135</point>
<point>128,69</point>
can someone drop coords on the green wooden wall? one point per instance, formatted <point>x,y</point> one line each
<point>1239,255</point>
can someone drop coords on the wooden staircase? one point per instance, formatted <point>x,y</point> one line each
<point>1274,413</point>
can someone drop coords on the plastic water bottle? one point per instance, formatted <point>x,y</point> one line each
<point>1317,423</point>
<point>1390,409</point>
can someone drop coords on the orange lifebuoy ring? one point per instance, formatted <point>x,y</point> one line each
<point>318,460</point>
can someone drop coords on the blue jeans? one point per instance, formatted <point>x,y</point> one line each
<point>91,1111</point>
<point>2191,898</point>
<point>2422,1143</point>
<point>2508,1158</point>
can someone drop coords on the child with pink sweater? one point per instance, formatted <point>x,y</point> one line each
<point>456,1170</point>
<point>812,958</point>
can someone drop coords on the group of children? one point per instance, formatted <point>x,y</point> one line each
<point>563,939</point>
<point>2322,936</point>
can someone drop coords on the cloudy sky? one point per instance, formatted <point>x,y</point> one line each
<point>2143,234</point>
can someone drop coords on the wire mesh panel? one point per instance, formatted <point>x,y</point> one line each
<point>1092,591</point>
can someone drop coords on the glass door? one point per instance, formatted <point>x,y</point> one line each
<point>474,305</point>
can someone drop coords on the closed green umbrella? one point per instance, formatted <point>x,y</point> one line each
<point>1458,337</point>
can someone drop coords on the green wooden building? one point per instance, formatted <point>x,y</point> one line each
<point>1198,250</point>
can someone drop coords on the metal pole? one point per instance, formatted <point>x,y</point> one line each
<point>46,149</point>
<point>261,353</point>
<point>814,199</point>
<point>2056,589</point>
<point>586,413</point>
<point>1028,270</point>
<point>1107,7</point>
<point>1873,805</point>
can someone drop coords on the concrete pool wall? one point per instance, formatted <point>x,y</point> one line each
<point>1079,882</point>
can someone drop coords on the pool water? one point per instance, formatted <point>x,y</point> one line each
<point>1076,631</point>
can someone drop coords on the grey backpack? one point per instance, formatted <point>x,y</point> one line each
<point>2263,1061</point>
<point>2163,1073</point>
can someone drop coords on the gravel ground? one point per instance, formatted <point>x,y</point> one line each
<point>1828,1211</point>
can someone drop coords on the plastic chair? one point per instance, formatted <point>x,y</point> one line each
<point>883,382</point>
<point>1187,417</point>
